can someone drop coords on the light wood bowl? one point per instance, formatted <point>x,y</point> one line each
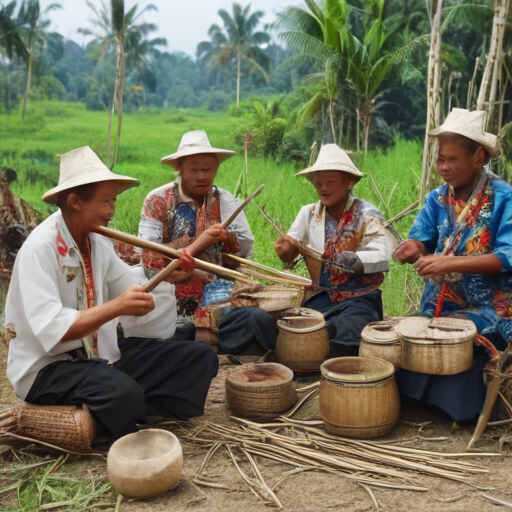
<point>145,463</point>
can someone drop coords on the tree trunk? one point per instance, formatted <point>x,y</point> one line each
<point>29,76</point>
<point>238,79</point>
<point>358,121</point>
<point>367,122</point>
<point>433,108</point>
<point>331,115</point>
<point>8,90</point>
<point>117,103</point>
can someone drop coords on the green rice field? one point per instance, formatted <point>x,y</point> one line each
<point>30,147</point>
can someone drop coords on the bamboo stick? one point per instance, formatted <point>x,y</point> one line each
<point>172,253</point>
<point>237,212</point>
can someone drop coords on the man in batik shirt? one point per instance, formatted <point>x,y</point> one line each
<point>353,247</point>
<point>461,243</point>
<point>177,213</point>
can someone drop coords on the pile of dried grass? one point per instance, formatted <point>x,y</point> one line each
<point>306,446</point>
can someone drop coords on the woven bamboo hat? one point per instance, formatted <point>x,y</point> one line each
<point>470,125</point>
<point>195,143</point>
<point>82,166</point>
<point>332,158</point>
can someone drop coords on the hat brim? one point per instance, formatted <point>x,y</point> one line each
<point>314,169</point>
<point>221,154</point>
<point>436,132</point>
<point>124,183</point>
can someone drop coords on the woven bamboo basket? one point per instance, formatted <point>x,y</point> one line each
<point>439,346</point>
<point>270,298</point>
<point>145,463</point>
<point>66,426</point>
<point>303,340</point>
<point>380,340</point>
<point>359,396</point>
<point>257,390</point>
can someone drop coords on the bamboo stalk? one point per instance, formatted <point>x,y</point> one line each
<point>239,209</point>
<point>172,253</point>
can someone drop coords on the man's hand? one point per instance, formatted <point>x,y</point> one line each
<point>210,236</point>
<point>285,249</point>
<point>409,251</point>
<point>135,302</point>
<point>433,265</point>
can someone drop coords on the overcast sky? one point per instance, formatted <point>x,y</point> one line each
<point>184,23</point>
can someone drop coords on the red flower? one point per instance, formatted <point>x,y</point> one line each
<point>61,246</point>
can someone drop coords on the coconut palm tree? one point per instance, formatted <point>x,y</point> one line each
<point>237,42</point>
<point>114,28</point>
<point>32,17</point>
<point>11,42</point>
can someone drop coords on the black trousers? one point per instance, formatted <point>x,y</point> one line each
<point>169,378</point>
<point>346,319</point>
<point>242,327</point>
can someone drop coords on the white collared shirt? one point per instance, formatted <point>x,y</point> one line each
<point>375,248</point>
<point>42,303</point>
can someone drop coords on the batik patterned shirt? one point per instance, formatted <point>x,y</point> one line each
<point>486,229</point>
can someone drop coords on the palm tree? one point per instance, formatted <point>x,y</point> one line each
<point>350,46</point>
<point>31,16</point>
<point>128,36</point>
<point>237,42</point>
<point>11,42</point>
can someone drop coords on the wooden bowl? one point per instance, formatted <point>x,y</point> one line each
<point>359,396</point>
<point>259,390</point>
<point>303,340</point>
<point>438,346</point>
<point>145,463</point>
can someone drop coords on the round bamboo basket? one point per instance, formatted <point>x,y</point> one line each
<point>256,390</point>
<point>359,396</point>
<point>145,463</point>
<point>303,340</point>
<point>438,346</point>
<point>379,339</point>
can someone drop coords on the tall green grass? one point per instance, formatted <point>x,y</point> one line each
<point>29,146</point>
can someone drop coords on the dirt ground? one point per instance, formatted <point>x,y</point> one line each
<point>315,491</point>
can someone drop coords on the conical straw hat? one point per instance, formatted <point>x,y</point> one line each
<point>195,143</point>
<point>332,158</point>
<point>471,125</point>
<point>82,166</point>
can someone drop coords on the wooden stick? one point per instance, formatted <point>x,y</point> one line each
<point>172,253</point>
<point>235,214</point>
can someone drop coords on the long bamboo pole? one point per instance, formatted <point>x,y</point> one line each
<point>172,253</point>
<point>433,107</point>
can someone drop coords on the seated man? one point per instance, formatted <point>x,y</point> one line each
<point>461,243</point>
<point>67,290</point>
<point>349,235</point>
<point>177,213</point>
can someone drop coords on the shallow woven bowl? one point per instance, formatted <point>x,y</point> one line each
<point>145,463</point>
<point>259,390</point>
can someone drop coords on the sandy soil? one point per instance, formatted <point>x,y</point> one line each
<point>314,491</point>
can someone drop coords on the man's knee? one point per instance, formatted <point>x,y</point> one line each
<point>127,391</point>
<point>260,317</point>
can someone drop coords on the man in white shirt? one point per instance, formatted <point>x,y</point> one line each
<point>68,291</point>
<point>177,213</point>
<point>349,236</point>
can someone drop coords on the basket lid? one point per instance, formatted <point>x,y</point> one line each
<point>260,375</point>
<point>357,369</point>
<point>429,331</point>
<point>382,332</point>
<point>301,320</point>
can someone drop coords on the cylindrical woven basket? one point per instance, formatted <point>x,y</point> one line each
<point>438,346</point>
<point>303,340</point>
<point>359,396</point>
<point>258,390</point>
<point>380,340</point>
<point>66,426</point>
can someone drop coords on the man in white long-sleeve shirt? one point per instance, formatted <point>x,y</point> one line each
<point>355,250</point>
<point>67,292</point>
